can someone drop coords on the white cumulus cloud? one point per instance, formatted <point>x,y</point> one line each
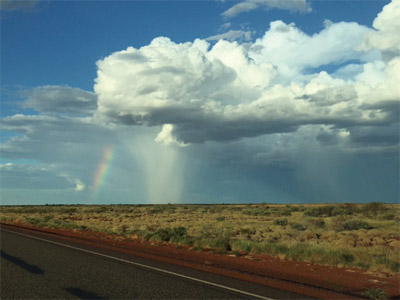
<point>386,36</point>
<point>231,90</point>
<point>293,51</point>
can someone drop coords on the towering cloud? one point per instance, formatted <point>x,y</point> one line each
<point>229,91</point>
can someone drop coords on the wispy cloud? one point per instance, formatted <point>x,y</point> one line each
<point>249,5</point>
<point>60,100</point>
<point>14,5</point>
<point>232,35</point>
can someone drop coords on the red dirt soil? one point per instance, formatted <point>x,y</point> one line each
<point>323,282</point>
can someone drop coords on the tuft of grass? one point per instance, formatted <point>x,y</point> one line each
<point>375,294</point>
<point>242,245</point>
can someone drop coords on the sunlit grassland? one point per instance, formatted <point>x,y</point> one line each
<point>365,236</point>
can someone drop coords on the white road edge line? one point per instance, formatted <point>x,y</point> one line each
<point>146,266</point>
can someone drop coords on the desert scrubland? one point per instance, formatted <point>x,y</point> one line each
<point>364,236</point>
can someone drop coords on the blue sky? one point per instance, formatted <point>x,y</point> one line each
<point>199,101</point>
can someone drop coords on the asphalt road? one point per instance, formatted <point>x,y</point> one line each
<point>40,267</point>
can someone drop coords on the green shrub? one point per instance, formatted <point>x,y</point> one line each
<point>352,208</point>
<point>395,266</point>
<point>257,212</point>
<point>292,208</point>
<point>342,224</point>
<point>298,226</point>
<point>340,211</point>
<point>162,235</point>
<point>66,210</point>
<point>47,218</point>
<point>281,222</point>
<point>220,218</point>
<point>179,231</point>
<point>327,211</point>
<point>321,211</point>
<point>375,294</point>
<point>177,234</point>
<point>223,244</point>
<point>33,221</point>
<point>285,212</point>
<point>363,265</point>
<point>373,208</point>
<point>247,231</point>
<point>389,216</point>
<point>156,210</point>
<point>96,210</point>
<point>347,258</point>
<point>317,222</point>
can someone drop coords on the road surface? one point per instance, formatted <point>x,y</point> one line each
<point>34,266</point>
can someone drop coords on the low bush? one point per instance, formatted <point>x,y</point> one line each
<point>344,224</point>
<point>281,222</point>
<point>389,216</point>
<point>177,234</point>
<point>96,209</point>
<point>374,208</point>
<point>317,222</point>
<point>247,231</point>
<point>328,211</point>
<point>33,221</point>
<point>298,226</point>
<point>257,212</point>
<point>321,211</point>
<point>66,210</point>
<point>347,258</point>
<point>285,212</point>
<point>163,235</point>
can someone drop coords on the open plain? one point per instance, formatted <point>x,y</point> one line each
<point>354,239</point>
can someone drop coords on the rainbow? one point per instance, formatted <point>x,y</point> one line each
<point>102,170</point>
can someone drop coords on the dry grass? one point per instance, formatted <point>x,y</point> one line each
<point>352,235</point>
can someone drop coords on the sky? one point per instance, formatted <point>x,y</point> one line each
<point>253,101</point>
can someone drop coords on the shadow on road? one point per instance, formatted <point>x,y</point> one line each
<point>21,263</point>
<point>82,294</point>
